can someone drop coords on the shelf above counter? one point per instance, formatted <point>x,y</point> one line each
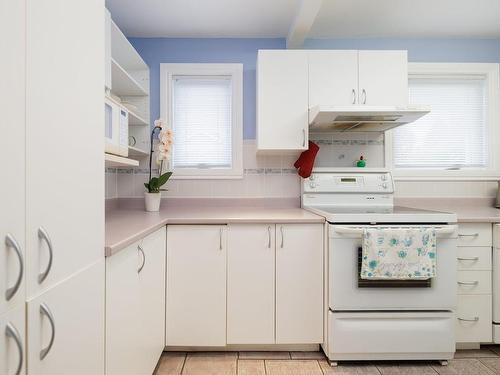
<point>136,120</point>
<point>114,161</point>
<point>137,152</point>
<point>123,84</point>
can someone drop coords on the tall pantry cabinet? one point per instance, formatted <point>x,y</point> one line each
<point>52,201</point>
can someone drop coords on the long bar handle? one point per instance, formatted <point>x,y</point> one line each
<point>303,138</point>
<point>363,93</point>
<point>141,250</point>
<point>282,237</point>
<point>475,282</point>
<point>13,333</point>
<point>11,242</point>
<point>468,235</point>
<point>269,237</point>
<point>44,310</point>
<point>353,96</point>
<point>346,230</point>
<point>43,235</point>
<point>220,238</point>
<point>472,259</point>
<point>475,319</point>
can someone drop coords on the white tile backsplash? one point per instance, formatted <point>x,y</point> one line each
<point>275,176</point>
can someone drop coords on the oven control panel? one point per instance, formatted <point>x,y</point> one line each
<point>349,182</point>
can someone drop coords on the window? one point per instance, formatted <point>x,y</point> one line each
<point>459,137</point>
<point>203,105</point>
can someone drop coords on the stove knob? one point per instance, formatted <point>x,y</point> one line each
<point>311,177</point>
<point>383,177</point>
<point>312,185</point>
<point>384,185</point>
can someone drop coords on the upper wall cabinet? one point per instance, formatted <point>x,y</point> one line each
<point>291,82</point>
<point>342,78</point>
<point>282,100</point>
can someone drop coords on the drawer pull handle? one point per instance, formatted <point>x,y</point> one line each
<point>141,250</point>
<point>12,332</point>
<point>468,235</point>
<point>475,319</point>
<point>269,237</point>
<point>475,282</point>
<point>44,310</point>
<point>11,242</point>
<point>44,235</point>
<point>472,259</point>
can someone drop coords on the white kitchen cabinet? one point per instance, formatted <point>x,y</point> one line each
<point>196,285</point>
<point>135,306</point>
<point>282,100</point>
<point>12,151</point>
<point>250,284</point>
<point>72,313</point>
<point>12,342</point>
<point>64,141</point>
<point>333,77</point>
<point>474,317</point>
<point>299,283</point>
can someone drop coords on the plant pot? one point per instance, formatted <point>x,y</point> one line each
<point>152,201</point>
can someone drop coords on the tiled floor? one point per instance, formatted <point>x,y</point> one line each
<point>485,361</point>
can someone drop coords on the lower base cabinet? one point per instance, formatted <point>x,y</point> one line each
<point>12,341</point>
<point>66,326</point>
<point>135,307</point>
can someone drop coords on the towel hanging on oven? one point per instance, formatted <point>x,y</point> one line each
<point>398,253</point>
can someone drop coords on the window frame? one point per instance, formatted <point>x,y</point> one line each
<point>235,71</point>
<point>491,73</point>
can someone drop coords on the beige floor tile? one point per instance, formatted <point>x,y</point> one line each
<point>290,367</point>
<point>492,363</point>
<point>308,355</point>
<point>251,367</point>
<point>409,368</point>
<point>210,364</point>
<point>348,369</point>
<point>171,363</point>
<point>475,353</point>
<point>468,366</point>
<point>264,355</point>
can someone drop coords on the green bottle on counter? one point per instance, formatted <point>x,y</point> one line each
<point>361,163</point>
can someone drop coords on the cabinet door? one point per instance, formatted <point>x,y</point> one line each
<point>123,312</point>
<point>250,284</point>
<point>152,300</point>
<point>12,344</point>
<point>196,285</point>
<point>12,147</point>
<point>299,283</point>
<point>333,77</point>
<point>282,100</point>
<point>76,309</point>
<point>383,78</point>
<point>64,137</point>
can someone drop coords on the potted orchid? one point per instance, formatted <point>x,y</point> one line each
<point>152,197</point>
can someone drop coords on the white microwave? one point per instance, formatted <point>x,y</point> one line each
<point>116,128</point>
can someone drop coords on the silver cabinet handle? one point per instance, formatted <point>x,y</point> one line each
<point>269,237</point>
<point>13,333</point>
<point>468,235</point>
<point>472,259</point>
<point>220,238</point>
<point>475,319</point>
<point>353,96</point>
<point>11,242</point>
<point>303,138</point>
<point>363,94</point>
<point>43,235</point>
<point>44,310</point>
<point>139,247</point>
<point>282,237</point>
<point>475,282</point>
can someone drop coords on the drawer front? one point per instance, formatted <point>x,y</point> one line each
<point>473,319</point>
<point>475,234</point>
<point>474,258</point>
<point>474,282</point>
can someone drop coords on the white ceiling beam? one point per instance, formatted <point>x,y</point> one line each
<point>306,14</point>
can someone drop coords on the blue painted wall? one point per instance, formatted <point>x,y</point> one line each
<point>184,50</point>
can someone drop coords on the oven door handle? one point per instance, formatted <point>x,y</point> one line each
<point>449,229</point>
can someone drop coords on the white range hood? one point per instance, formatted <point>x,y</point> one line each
<point>362,118</point>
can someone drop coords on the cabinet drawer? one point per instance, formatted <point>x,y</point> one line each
<point>473,318</point>
<point>474,234</point>
<point>474,282</point>
<point>474,258</point>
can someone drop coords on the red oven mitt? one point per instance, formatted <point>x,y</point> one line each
<point>305,162</point>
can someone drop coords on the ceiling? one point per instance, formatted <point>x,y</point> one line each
<point>335,19</point>
<point>204,18</point>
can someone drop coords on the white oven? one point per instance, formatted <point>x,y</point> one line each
<point>348,292</point>
<point>115,128</point>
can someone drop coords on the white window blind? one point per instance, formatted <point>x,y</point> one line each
<point>201,121</point>
<point>454,134</point>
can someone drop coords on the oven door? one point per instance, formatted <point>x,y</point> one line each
<point>347,293</point>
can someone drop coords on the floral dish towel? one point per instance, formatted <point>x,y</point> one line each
<point>398,253</point>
